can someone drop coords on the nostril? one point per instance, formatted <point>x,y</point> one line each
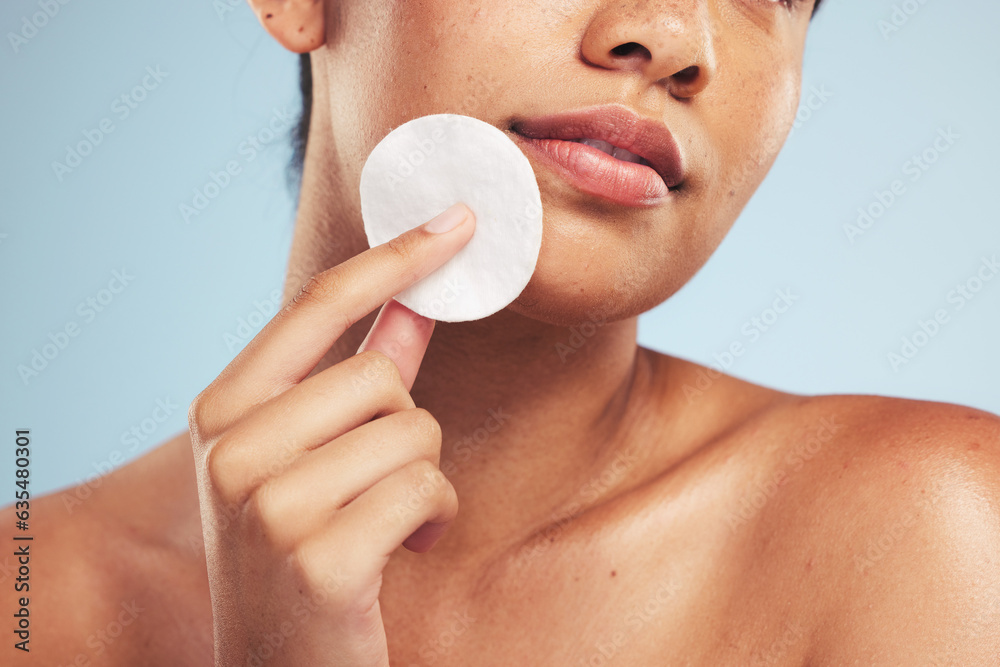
<point>630,48</point>
<point>686,75</point>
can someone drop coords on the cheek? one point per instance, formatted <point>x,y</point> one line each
<point>624,267</point>
<point>395,61</point>
<point>741,131</point>
<point>402,59</point>
<point>438,56</point>
<point>753,128</point>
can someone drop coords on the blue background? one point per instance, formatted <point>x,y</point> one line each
<point>164,336</point>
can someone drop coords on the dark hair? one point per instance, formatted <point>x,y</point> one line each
<point>301,132</point>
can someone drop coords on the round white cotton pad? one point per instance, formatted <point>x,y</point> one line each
<point>423,167</point>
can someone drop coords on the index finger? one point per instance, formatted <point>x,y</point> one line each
<point>295,340</point>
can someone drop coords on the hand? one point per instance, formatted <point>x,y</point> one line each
<point>308,484</point>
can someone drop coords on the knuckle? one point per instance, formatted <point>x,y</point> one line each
<point>220,467</point>
<point>377,367</point>
<point>449,500</point>
<point>303,558</point>
<point>403,247</point>
<point>425,488</point>
<point>425,477</point>
<point>210,413</point>
<point>216,461</point>
<point>264,506</point>
<point>425,425</point>
<point>321,290</point>
<point>200,411</point>
<point>311,562</point>
<point>318,289</point>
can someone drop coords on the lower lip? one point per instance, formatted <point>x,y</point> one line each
<point>595,172</point>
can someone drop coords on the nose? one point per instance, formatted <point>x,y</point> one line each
<point>669,43</point>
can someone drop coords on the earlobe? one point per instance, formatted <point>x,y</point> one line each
<point>298,25</point>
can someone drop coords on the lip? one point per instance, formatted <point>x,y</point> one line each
<point>595,172</point>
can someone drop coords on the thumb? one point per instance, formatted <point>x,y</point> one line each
<point>402,335</point>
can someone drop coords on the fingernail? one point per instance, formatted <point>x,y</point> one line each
<point>447,220</point>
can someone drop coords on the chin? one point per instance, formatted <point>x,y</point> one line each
<point>597,266</point>
<point>568,288</point>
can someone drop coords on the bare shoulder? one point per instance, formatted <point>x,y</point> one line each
<point>892,508</point>
<point>99,591</point>
<point>66,582</point>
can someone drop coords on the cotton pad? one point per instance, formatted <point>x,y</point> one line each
<point>423,167</point>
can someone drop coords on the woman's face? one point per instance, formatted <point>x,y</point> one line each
<point>721,76</point>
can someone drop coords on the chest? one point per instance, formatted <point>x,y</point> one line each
<point>580,597</point>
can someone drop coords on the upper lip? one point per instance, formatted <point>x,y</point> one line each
<point>618,125</point>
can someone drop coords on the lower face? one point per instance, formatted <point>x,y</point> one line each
<point>609,249</point>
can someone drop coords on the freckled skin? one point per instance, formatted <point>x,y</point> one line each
<point>730,119</point>
<point>615,518</point>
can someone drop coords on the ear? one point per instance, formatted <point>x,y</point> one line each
<point>298,25</point>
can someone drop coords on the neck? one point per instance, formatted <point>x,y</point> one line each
<point>531,413</point>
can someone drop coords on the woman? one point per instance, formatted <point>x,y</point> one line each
<point>562,496</point>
